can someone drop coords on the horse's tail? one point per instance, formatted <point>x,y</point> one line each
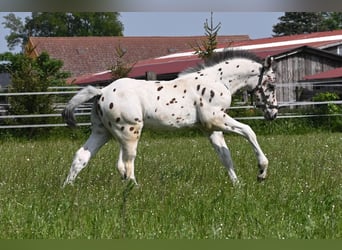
<point>81,97</point>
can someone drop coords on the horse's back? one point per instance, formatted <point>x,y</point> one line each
<point>155,103</point>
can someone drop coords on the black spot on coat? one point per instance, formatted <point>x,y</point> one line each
<point>203,91</point>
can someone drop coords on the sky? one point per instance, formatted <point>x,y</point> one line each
<point>254,24</point>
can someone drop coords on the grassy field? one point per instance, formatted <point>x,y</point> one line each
<point>183,191</point>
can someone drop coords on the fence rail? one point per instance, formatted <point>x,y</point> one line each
<point>85,109</point>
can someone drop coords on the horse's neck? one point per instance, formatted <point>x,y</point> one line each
<point>233,79</point>
<point>236,85</point>
<point>234,75</point>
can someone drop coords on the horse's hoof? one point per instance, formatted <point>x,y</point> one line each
<point>261,178</point>
<point>67,183</point>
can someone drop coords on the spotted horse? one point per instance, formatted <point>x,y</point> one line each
<point>199,97</point>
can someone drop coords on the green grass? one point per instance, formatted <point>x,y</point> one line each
<point>183,190</point>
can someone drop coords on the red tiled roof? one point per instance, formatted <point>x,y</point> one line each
<point>329,74</point>
<point>101,77</point>
<point>162,66</point>
<point>86,55</point>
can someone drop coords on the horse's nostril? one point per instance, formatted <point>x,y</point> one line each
<point>270,115</point>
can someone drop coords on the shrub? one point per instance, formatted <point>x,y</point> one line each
<point>334,122</point>
<point>32,75</point>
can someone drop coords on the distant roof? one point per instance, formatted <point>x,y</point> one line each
<point>315,39</point>
<point>159,67</point>
<point>307,49</point>
<point>329,74</point>
<point>276,45</point>
<point>85,55</point>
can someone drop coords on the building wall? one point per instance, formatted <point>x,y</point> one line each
<point>293,68</point>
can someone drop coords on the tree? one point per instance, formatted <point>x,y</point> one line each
<point>307,22</point>
<point>120,68</point>
<point>298,23</point>
<point>32,75</point>
<point>333,20</point>
<point>18,34</point>
<point>206,48</point>
<point>56,24</point>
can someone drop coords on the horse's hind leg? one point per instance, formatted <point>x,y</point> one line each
<point>128,152</point>
<point>97,139</point>
<point>220,146</point>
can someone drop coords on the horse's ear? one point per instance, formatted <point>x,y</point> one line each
<point>268,62</point>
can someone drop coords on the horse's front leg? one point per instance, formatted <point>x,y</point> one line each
<point>220,146</point>
<point>228,124</point>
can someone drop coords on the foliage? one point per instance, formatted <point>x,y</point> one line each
<point>333,20</point>
<point>32,75</point>
<point>307,22</point>
<point>329,108</point>
<point>120,69</point>
<point>18,34</point>
<point>183,192</point>
<point>332,122</point>
<point>206,48</point>
<point>55,24</point>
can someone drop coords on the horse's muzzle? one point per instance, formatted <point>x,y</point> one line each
<point>270,113</point>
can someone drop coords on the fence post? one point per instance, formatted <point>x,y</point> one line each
<point>150,76</point>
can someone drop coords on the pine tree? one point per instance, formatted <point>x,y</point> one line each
<point>206,48</point>
<point>120,68</point>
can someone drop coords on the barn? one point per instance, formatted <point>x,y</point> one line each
<point>296,65</point>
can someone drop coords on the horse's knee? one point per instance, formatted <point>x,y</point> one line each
<point>81,158</point>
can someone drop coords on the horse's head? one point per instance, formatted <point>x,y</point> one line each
<point>265,90</point>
